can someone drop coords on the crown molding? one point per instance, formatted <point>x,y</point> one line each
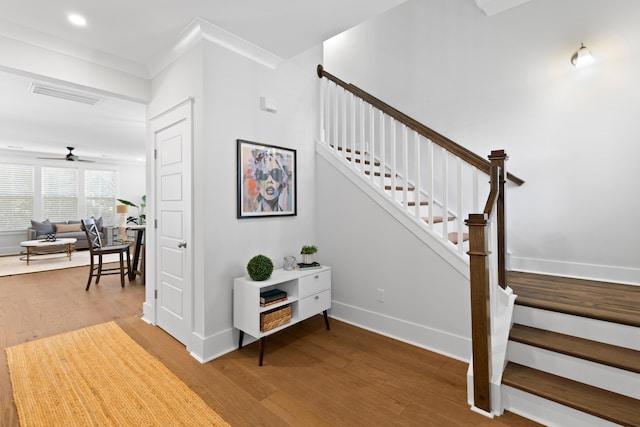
<point>200,29</point>
<point>493,7</point>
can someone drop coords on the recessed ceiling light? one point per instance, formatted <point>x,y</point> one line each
<point>78,20</point>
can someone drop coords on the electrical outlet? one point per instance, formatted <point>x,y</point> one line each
<point>380,295</point>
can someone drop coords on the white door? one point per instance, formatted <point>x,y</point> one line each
<point>172,138</point>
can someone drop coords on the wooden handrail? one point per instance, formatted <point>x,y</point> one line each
<point>449,145</point>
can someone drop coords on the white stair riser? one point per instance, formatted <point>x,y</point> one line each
<point>594,374</point>
<point>591,329</point>
<point>547,412</point>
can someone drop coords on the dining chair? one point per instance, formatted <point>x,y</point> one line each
<point>96,249</point>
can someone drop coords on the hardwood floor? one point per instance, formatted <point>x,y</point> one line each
<point>311,376</point>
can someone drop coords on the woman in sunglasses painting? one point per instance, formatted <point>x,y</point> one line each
<point>271,175</point>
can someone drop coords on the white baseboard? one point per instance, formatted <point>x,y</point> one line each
<point>205,349</point>
<point>454,346</point>
<point>606,273</point>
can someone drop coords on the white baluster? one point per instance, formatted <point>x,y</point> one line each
<point>445,194</point>
<point>322,93</point>
<point>459,214</point>
<point>362,135</point>
<point>431,183</point>
<point>393,169</point>
<point>383,138</point>
<point>372,141</point>
<point>343,139</point>
<point>418,189</point>
<point>405,165</point>
<point>335,141</point>
<point>353,130</point>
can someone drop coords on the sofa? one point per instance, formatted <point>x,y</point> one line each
<point>65,230</point>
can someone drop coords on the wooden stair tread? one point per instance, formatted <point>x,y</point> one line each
<point>610,302</point>
<point>348,150</point>
<point>607,354</point>
<point>366,162</point>
<point>398,188</point>
<point>421,203</point>
<point>453,237</point>
<point>437,219</point>
<point>368,172</point>
<point>601,403</point>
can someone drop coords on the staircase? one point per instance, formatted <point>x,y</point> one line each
<point>572,355</point>
<point>573,352</point>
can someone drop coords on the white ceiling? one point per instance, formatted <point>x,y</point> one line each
<point>130,35</point>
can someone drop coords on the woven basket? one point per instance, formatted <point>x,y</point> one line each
<point>274,318</point>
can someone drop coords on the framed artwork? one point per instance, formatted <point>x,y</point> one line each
<point>266,180</point>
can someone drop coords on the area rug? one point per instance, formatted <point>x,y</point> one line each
<point>11,265</point>
<point>99,376</point>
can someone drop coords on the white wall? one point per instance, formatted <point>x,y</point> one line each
<point>506,82</point>
<point>226,88</point>
<point>426,300</point>
<point>180,81</point>
<point>233,86</point>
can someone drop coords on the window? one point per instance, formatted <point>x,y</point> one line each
<point>16,196</point>
<point>59,193</point>
<point>100,194</point>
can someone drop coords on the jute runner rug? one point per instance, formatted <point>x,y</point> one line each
<point>99,376</point>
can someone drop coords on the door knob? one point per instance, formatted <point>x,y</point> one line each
<point>182,244</point>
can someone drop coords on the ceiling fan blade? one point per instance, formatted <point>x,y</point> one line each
<point>70,157</point>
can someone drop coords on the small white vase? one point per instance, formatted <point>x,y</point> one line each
<point>307,258</point>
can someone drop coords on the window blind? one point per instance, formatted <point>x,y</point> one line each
<point>100,194</point>
<point>16,196</point>
<point>60,193</point>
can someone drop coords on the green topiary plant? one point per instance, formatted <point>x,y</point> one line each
<point>259,268</point>
<point>309,249</point>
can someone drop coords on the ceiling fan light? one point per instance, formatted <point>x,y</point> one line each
<point>582,57</point>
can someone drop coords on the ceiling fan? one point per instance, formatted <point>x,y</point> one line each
<point>69,157</point>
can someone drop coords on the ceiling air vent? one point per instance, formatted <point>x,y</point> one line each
<point>63,93</point>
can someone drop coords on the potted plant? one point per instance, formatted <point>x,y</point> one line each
<point>260,268</point>
<point>307,253</point>
<point>141,219</point>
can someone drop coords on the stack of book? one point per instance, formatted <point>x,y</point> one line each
<point>272,296</point>
<point>303,266</point>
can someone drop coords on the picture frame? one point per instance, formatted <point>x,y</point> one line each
<point>266,180</point>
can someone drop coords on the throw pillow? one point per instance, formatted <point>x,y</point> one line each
<point>98,224</point>
<point>67,228</point>
<point>44,227</point>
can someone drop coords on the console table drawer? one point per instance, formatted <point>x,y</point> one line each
<point>314,304</point>
<point>314,283</point>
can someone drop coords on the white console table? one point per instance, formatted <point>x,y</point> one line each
<point>308,294</point>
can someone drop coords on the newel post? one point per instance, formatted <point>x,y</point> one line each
<point>480,312</point>
<point>498,159</point>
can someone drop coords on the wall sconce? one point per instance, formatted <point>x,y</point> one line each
<point>582,57</point>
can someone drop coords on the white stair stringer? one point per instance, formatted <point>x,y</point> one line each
<point>582,327</point>
<point>595,374</point>
<point>397,193</point>
<point>547,412</point>
<point>459,260</point>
